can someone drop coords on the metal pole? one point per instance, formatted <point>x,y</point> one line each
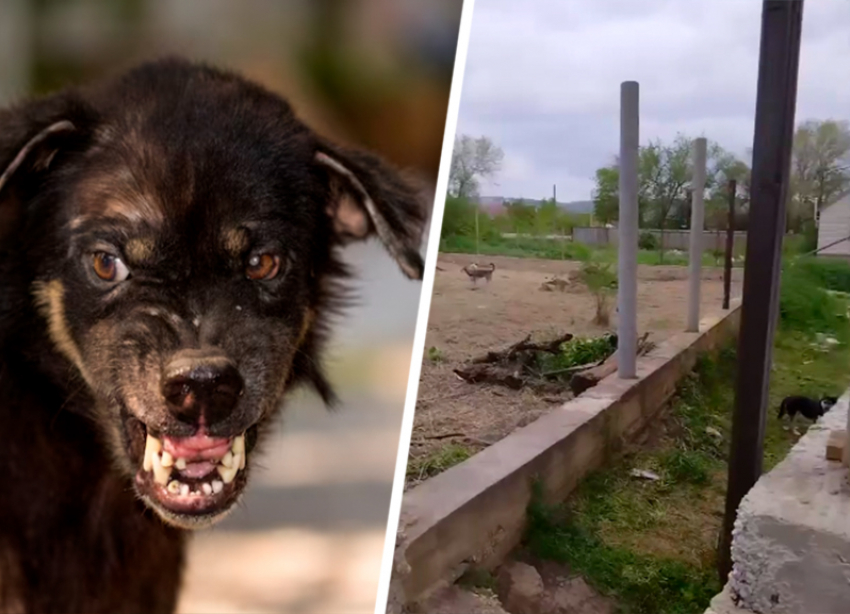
<point>627,260</point>
<point>697,232</point>
<point>776,100</point>
<point>477,252</point>
<point>730,244</point>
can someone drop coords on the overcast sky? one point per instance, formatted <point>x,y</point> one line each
<point>543,80</point>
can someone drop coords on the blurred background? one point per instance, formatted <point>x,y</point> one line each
<point>374,73</point>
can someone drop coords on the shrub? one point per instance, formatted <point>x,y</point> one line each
<point>601,281</point>
<point>826,272</point>
<point>810,237</point>
<point>647,241</point>
<point>458,217</point>
<point>804,303</point>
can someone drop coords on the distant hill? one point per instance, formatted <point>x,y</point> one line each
<point>495,205</point>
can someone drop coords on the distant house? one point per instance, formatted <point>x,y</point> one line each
<point>834,225</point>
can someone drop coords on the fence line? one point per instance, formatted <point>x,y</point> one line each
<point>673,239</point>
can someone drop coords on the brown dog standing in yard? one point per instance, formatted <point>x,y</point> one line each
<point>476,272</point>
<point>169,264</point>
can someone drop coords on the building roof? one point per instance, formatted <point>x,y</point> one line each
<point>840,198</point>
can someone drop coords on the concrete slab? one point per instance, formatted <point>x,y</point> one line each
<point>791,543</point>
<point>724,604</point>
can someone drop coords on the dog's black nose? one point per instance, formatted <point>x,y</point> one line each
<point>196,385</point>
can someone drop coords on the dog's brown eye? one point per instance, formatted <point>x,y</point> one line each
<point>109,268</point>
<point>263,267</point>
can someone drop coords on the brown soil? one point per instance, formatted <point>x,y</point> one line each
<point>467,320</point>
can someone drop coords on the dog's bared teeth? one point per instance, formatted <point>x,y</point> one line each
<point>152,448</point>
<point>217,486</point>
<point>173,487</point>
<point>238,446</point>
<point>227,460</point>
<point>207,488</point>
<point>241,462</point>
<point>180,464</point>
<point>227,473</point>
<point>154,444</point>
<point>167,459</point>
<point>160,473</point>
<point>184,489</point>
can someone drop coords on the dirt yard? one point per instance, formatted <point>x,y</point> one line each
<point>455,419</point>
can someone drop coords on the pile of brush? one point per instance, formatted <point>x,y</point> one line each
<point>549,366</point>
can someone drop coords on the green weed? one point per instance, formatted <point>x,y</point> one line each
<point>448,456</point>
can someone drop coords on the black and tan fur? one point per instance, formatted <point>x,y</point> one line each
<point>182,172</point>
<point>809,408</point>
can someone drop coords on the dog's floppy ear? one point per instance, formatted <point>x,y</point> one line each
<point>31,135</point>
<point>36,152</point>
<point>369,197</point>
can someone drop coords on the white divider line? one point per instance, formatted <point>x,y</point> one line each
<point>424,307</point>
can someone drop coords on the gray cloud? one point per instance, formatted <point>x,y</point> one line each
<point>542,79</point>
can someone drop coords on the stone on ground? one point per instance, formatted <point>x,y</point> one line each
<point>575,596</point>
<point>456,600</point>
<point>520,588</point>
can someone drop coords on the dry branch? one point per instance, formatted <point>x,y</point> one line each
<point>526,345</point>
<point>478,373</point>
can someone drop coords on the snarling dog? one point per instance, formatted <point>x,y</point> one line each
<point>476,272</point>
<point>809,408</point>
<point>169,265</point>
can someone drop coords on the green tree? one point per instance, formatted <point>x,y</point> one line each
<point>522,216</point>
<point>547,217</point>
<point>473,159</point>
<point>458,217</point>
<point>666,171</point>
<point>820,169</point>
<point>606,194</point>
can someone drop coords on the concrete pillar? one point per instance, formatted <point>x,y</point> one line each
<point>628,230</point>
<point>697,232</point>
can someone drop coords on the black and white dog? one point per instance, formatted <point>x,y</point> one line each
<point>805,406</point>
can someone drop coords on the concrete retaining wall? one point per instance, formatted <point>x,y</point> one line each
<point>474,513</point>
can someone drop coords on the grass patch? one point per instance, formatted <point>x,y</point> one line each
<point>805,304</point>
<point>435,354</point>
<point>827,273</point>
<point>447,456</point>
<point>686,467</point>
<point>642,583</point>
